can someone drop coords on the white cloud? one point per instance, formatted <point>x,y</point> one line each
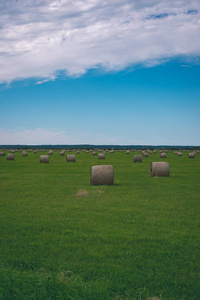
<point>41,37</point>
<point>41,136</point>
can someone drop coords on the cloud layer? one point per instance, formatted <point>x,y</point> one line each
<point>41,136</point>
<point>40,38</point>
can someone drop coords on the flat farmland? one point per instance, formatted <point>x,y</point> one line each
<point>62,238</point>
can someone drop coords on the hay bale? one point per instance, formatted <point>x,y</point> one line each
<point>144,154</point>
<point>137,158</point>
<point>44,158</point>
<point>159,169</point>
<point>2,153</point>
<point>71,158</point>
<point>163,155</point>
<point>50,152</point>
<point>82,193</point>
<point>62,153</point>
<point>128,152</point>
<point>101,156</point>
<point>179,154</point>
<point>100,175</point>
<point>10,156</point>
<point>94,153</point>
<point>24,153</point>
<point>191,155</point>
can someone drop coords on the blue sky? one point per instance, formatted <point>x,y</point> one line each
<point>122,72</point>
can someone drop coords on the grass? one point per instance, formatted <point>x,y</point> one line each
<point>62,238</point>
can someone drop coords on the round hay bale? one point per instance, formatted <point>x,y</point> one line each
<point>191,155</point>
<point>50,152</point>
<point>44,158</point>
<point>24,153</point>
<point>101,156</point>
<point>163,155</point>
<point>144,154</point>
<point>10,156</point>
<point>2,153</point>
<point>94,153</point>
<point>71,158</point>
<point>137,158</point>
<point>128,152</point>
<point>179,154</point>
<point>159,169</point>
<point>100,175</point>
<point>62,153</point>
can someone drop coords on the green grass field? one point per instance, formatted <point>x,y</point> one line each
<point>137,239</point>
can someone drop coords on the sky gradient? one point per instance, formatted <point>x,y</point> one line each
<point>87,72</point>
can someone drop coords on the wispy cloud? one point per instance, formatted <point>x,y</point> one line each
<point>39,38</point>
<point>186,66</point>
<point>42,136</point>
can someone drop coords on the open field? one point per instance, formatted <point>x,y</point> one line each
<point>62,238</point>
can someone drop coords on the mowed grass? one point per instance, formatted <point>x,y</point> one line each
<point>62,238</point>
